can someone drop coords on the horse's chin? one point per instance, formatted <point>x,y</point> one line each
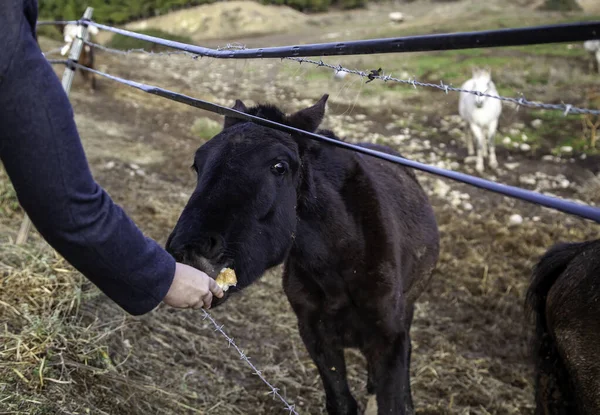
<point>216,302</point>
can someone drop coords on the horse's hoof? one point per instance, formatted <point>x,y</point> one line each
<point>371,406</point>
<point>479,167</point>
<point>494,164</point>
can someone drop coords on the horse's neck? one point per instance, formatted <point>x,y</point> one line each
<point>339,193</point>
<point>321,205</point>
<point>324,173</point>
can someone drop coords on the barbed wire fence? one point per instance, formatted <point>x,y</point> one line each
<point>563,205</point>
<point>371,76</point>
<point>301,54</point>
<point>244,357</point>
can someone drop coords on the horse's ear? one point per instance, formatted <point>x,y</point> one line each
<point>239,106</point>
<point>309,118</point>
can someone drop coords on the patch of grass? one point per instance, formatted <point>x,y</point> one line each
<point>578,143</point>
<point>43,332</point>
<point>555,50</point>
<point>527,135</point>
<point>555,131</point>
<point>536,77</point>
<point>206,128</point>
<point>126,43</point>
<point>9,204</point>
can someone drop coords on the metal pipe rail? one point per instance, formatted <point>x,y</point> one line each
<point>559,33</point>
<point>562,205</point>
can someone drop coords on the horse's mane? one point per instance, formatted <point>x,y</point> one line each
<point>269,112</point>
<point>273,113</point>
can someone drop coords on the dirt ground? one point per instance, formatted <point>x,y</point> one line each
<point>470,334</point>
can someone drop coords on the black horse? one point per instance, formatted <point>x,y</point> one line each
<point>564,297</point>
<point>357,234</point>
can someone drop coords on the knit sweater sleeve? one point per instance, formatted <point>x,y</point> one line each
<point>44,158</point>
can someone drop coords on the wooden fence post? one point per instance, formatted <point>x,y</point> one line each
<point>67,81</point>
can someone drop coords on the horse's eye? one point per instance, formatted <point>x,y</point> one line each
<point>279,168</point>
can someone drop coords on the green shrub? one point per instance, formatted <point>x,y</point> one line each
<point>123,11</point>
<point>351,4</point>
<point>113,11</point>
<point>561,5</point>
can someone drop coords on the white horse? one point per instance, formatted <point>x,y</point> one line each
<point>481,113</point>
<point>70,33</point>
<point>593,47</point>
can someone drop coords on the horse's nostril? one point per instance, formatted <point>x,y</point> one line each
<point>214,245</point>
<point>209,246</point>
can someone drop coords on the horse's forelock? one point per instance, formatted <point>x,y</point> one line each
<point>269,112</point>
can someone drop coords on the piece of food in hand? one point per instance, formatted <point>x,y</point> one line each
<point>226,279</point>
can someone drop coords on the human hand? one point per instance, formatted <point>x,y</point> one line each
<point>191,288</point>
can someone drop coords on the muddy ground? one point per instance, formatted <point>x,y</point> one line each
<point>469,334</point>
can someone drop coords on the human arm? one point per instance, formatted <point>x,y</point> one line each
<point>44,158</point>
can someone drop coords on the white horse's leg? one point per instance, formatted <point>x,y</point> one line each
<point>484,143</point>
<point>469,138</point>
<point>480,137</point>
<point>598,60</point>
<point>491,135</point>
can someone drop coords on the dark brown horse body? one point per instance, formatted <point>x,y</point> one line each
<point>357,234</point>
<point>564,297</point>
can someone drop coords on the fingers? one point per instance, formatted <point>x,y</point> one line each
<point>204,302</point>
<point>215,288</point>
<point>207,300</point>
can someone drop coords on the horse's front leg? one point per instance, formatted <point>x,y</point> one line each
<point>491,136</point>
<point>410,409</point>
<point>469,138</point>
<point>388,364</point>
<point>480,138</point>
<point>328,355</point>
<point>372,408</point>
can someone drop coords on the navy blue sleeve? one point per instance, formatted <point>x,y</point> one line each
<point>44,158</point>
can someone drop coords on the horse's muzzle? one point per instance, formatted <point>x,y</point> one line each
<point>219,301</point>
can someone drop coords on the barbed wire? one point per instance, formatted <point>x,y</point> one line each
<point>533,35</point>
<point>560,204</point>
<point>371,75</point>
<point>519,102</point>
<point>140,50</point>
<point>245,358</point>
